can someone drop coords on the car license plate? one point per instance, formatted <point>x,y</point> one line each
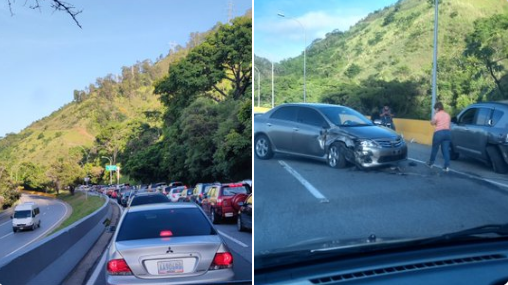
<point>169,267</point>
<point>229,215</point>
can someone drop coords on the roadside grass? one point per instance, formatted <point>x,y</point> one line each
<point>82,206</point>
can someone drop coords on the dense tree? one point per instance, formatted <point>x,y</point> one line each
<point>489,43</point>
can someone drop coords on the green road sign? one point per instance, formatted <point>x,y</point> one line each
<point>110,167</point>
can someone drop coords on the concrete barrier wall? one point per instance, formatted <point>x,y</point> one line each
<point>51,259</point>
<point>413,130</point>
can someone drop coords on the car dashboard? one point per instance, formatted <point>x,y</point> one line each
<point>465,264</point>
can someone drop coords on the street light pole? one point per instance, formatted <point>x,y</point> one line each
<point>259,84</point>
<point>110,163</point>
<point>434,65</point>
<point>304,55</point>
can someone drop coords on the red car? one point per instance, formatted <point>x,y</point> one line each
<point>221,201</point>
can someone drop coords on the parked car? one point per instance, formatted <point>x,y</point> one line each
<point>141,198</point>
<point>221,201</point>
<point>480,132</point>
<point>174,193</point>
<point>124,201</point>
<point>200,190</point>
<point>332,133</point>
<point>185,195</point>
<point>168,243</point>
<point>244,218</point>
<point>26,216</point>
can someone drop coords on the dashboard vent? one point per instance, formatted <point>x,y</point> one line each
<point>337,279</point>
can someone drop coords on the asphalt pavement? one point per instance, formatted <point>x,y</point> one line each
<point>53,213</point>
<point>301,201</point>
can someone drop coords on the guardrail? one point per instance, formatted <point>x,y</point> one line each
<point>51,259</point>
<point>413,130</point>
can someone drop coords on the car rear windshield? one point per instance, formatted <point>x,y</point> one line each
<point>150,199</point>
<point>151,223</point>
<point>231,191</point>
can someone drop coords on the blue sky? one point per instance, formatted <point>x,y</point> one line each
<point>277,38</point>
<point>44,56</point>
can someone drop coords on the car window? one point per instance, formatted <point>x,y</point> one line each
<point>231,191</point>
<point>22,214</point>
<point>311,117</point>
<point>483,116</point>
<point>149,224</point>
<point>287,113</point>
<point>342,116</point>
<point>467,117</point>
<point>496,116</point>
<point>149,199</point>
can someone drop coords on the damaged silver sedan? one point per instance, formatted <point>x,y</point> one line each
<point>336,134</point>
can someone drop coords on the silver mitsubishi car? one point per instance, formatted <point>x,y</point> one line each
<point>167,243</point>
<point>336,134</point>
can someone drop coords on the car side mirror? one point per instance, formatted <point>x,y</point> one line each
<point>12,217</point>
<point>454,120</point>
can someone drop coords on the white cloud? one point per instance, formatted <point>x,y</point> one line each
<point>285,36</point>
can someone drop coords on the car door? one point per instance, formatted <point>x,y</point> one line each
<point>469,135</point>
<point>279,128</point>
<point>308,138</point>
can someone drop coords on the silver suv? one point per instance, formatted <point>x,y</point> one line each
<point>480,131</point>
<point>331,133</point>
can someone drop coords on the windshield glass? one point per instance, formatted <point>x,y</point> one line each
<point>345,117</point>
<point>149,224</point>
<point>22,214</point>
<point>397,167</point>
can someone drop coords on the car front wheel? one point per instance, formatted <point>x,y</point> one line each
<point>263,147</point>
<point>335,156</point>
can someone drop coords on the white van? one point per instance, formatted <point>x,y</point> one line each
<point>26,216</point>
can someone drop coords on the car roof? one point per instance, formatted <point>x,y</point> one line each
<point>495,103</point>
<point>148,194</point>
<point>162,206</point>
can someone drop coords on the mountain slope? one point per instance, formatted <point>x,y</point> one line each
<point>394,44</point>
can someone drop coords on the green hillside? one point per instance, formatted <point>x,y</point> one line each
<point>391,51</point>
<point>125,118</point>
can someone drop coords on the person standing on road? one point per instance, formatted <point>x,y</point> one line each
<point>442,136</point>
<point>387,117</point>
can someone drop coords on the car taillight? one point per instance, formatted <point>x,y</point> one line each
<point>166,234</point>
<point>118,267</point>
<point>222,260</point>
<point>219,202</point>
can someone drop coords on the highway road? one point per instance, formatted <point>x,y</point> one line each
<point>53,212</point>
<point>301,200</point>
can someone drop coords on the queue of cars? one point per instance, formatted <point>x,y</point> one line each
<point>164,237</point>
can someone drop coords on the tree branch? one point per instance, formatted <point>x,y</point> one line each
<point>68,8</point>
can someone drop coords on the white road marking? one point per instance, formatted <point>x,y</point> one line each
<point>6,223</point>
<point>6,235</point>
<point>467,175</point>
<point>233,239</point>
<point>305,183</point>
<point>44,233</point>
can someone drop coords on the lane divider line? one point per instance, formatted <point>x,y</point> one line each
<point>305,183</point>
<point>233,239</point>
<point>467,175</point>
